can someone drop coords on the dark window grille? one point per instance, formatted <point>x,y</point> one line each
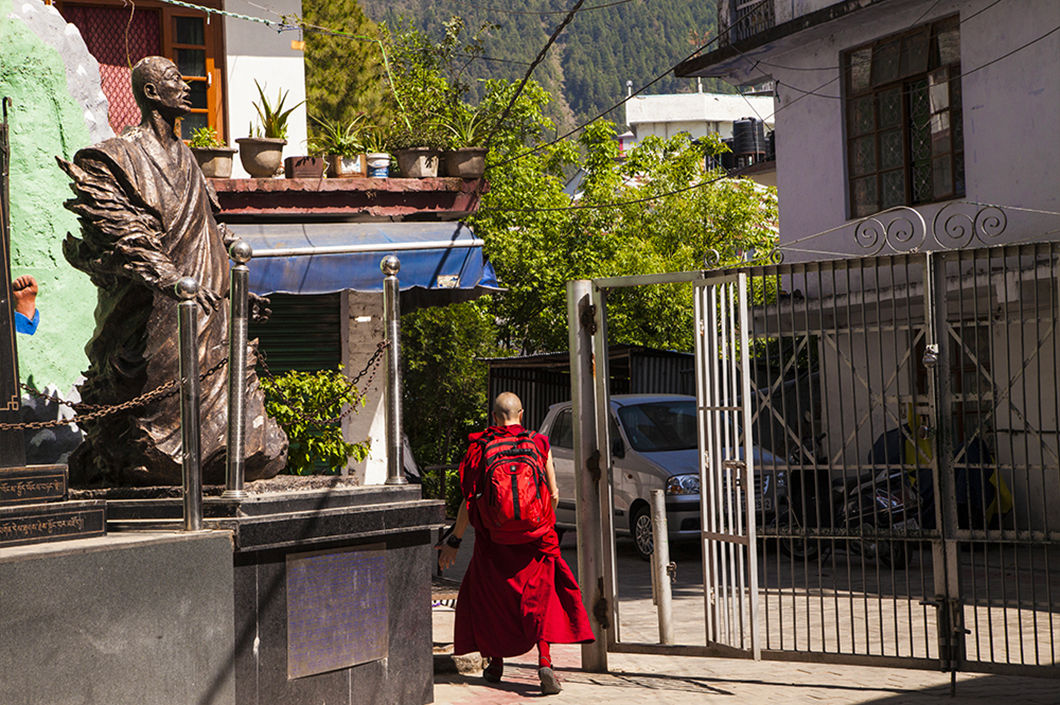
<point>905,143</point>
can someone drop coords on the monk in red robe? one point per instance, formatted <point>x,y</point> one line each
<point>518,591</point>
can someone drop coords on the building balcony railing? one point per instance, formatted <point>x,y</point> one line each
<point>744,19</point>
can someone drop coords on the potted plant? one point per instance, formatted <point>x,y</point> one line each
<point>466,156</point>
<point>213,155</point>
<point>376,155</point>
<point>341,147</point>
<point>262,151</point>
<point>418,152</point>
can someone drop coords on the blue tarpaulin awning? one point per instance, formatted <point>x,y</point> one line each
<point>440,262</point>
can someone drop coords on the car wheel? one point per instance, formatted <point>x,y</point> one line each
<point>640,527</point>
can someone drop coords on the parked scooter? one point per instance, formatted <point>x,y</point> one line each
<point>868,514</point>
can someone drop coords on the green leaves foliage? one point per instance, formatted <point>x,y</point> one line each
<point>307,406</point>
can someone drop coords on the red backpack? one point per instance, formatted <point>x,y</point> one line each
<point>514,496</point>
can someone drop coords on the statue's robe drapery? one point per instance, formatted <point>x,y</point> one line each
<point>147,220</point>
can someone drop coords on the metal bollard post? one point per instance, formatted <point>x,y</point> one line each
<point>235,467</point>
<point>188,345</point>
<point>395,469</point>
<point>660,561</point>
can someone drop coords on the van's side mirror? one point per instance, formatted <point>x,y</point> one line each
<point>618,448</point>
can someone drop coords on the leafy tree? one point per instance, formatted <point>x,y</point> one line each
<point>537,245</point>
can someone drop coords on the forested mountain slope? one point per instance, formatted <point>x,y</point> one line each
<point>587,69</point>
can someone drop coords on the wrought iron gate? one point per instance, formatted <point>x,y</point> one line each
<point>905,462</point>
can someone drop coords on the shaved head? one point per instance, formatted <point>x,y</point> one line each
<point>507,408</point>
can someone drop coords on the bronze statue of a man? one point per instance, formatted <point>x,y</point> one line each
<point>147,220</point>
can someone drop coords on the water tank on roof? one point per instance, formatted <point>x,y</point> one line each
<point>728,159</point>
<point>771,145</point>
<point>748,136</point>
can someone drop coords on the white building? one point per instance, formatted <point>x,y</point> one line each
<point>982,73</point>
<point>697,114</point>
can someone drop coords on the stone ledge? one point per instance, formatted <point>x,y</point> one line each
<point>442,198</point>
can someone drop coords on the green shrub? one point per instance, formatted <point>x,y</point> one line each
<point>307,405</point>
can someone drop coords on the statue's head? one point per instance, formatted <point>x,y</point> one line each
<point>157,85</point>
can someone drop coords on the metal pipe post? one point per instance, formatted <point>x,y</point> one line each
<point>587,485</point>
<point>660,562</point>
<point>235,467</point>
<point>188,345</point>
<point>395,468</point>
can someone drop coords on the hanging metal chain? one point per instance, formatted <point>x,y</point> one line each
<point>372,366</point>
<point>100,411</point>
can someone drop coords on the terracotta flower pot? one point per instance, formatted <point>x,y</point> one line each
<point>346,167</point>
<point>215,162</point>
<point>261,156</point>
<point>466,162</point>
<point>304,167</point>
<point>418,162</point>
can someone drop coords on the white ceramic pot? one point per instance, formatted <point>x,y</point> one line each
<point>378,164</point>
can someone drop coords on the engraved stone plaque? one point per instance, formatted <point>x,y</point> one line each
<point>40,483</point>
<point>34,523</point>
<point>336,609</point>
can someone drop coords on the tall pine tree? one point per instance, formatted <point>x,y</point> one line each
<point>344,74</point>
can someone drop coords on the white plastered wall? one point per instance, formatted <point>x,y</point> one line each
<point>1010,109</point>
<point>361,319</point>
<point>256,51</point>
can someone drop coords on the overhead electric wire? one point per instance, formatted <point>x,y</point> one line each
<point>533,65</point>
<point>836,68</point>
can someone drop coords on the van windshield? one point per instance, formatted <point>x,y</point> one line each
<point>659,426</point>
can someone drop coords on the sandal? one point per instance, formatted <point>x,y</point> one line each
<point>494,670</point>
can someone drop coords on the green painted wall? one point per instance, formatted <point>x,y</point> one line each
<point>45,121</point>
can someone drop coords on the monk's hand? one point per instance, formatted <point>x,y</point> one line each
<point>446,555</point>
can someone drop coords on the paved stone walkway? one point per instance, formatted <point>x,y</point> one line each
<point>644,680</point>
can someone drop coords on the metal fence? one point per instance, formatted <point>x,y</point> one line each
<point>920,462</point>
<point>903,413</point>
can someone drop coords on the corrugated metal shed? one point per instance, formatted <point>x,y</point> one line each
<point>543,380</point>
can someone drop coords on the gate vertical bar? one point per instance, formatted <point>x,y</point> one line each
<point>587,486</point>
<point>749,472</point>
<point>606,590</point>
<point>944,549</point>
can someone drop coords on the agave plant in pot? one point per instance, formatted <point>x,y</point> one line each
<point>468,132</point>
<point>213,155</point>
<point>341,146</point>
<point>262,151</point>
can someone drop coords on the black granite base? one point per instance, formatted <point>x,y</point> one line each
<point>390,528</point>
